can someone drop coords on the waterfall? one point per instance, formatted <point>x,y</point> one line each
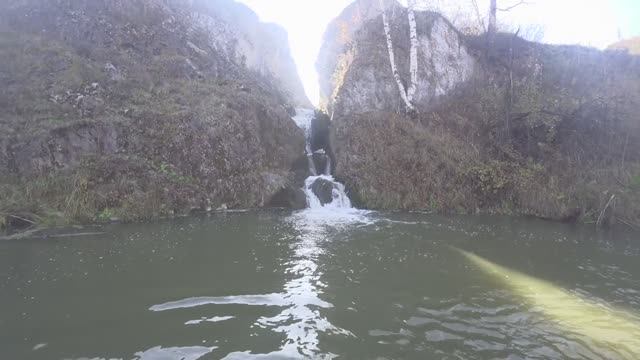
<point>322,190</point>
<point>303,119</point>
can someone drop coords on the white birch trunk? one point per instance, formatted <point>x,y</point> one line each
<point>413,55</point>
<point>392,60</point>
<point>493,21</point>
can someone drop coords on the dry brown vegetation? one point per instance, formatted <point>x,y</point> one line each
<point>139,127</point>
<point>562,142</point>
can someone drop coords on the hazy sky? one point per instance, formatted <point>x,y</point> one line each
<point>587,22</point>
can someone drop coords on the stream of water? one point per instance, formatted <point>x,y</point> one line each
<point>340,201</point>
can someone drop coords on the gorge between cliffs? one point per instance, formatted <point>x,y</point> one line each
<point>142,109</point>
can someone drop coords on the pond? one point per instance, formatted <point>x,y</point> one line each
<point>320,284</point>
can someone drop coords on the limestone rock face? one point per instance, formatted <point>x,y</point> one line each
<point>203,27</point>
<point>141,108</point>
<point>263,47</point>
<point>339,34</point>
<point>367,81</point>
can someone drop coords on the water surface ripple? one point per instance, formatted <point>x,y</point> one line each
<point>323,284</point>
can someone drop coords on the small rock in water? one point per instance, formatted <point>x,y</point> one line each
<point>323,189</point>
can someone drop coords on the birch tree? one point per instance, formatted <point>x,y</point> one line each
<point>493,18</point>
<point>406,94</point>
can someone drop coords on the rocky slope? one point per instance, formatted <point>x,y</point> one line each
<point>142,108</point>
<point>519,127</point>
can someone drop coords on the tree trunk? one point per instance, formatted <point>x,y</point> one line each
<point>413,55</point>
<point>493,23</point>
<point>404,95</point>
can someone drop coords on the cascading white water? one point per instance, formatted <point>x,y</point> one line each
<point>339,198</point>
<point>303,119</point>
<point>338,194</point>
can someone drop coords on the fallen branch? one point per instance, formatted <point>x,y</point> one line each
<point>18,218</point>
<point>76,235</point>
<point>629,223</point>
<point>601,217</point>
<point>20,235</point>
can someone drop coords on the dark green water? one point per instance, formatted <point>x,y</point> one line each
<point>276,285</point>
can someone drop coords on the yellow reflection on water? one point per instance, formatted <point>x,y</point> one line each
<point>616,329</point>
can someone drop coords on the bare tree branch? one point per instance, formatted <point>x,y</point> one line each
<point>521,2</point>
<point>493,21</point>
<point>601,217</point>
<point>477,9</point>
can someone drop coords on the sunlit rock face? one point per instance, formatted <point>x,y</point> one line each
<point>337,38</point>
<point>263,47</point>
<point>361,77</point>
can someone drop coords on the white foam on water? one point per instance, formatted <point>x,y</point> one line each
<point>211,320</point>
<point>182,353</point>
<point>340,198</point>
<point>258,300</point>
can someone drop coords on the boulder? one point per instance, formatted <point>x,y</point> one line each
<point>321,160</point>
<point>323,189</point>
<point>289,198</point>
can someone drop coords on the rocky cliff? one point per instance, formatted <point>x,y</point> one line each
<point>141,108</point>
<point>339,33</point>
<point>516,128</point>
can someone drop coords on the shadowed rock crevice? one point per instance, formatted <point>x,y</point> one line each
<point>323,156</point>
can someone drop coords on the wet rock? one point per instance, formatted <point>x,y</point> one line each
<point>321,160</point>
<point>323,189</point>
<point>300,170</point>
<point>289,198</point>
<point>320,131</point>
